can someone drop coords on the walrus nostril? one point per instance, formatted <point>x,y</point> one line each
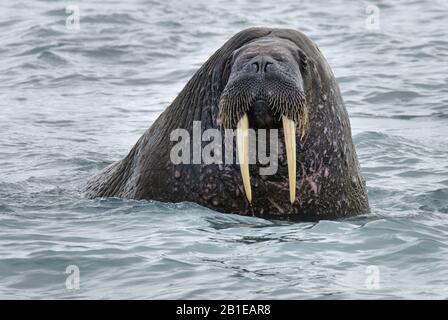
<point>256,66</point>
<point>260,64</point>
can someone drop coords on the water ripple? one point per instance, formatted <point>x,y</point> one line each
<point>73,102</point>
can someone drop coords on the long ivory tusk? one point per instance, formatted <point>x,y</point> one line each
<point>289,129</point>
<point>242,134</point>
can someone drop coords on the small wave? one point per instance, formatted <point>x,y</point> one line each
<point>9,23</point>
<point>41,32</point>
<point>113,19</point>
<point>105,52</point>
<point>391,96</point>
<point>73,78</point>
<point>52,58</point>
<point>376,139</point>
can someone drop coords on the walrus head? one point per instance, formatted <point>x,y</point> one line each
<point>266,90</point>
<point>261,78</point>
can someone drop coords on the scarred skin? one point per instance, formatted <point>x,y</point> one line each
<point>329,182</point>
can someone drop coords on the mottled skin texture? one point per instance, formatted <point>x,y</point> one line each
<point>329,183</point>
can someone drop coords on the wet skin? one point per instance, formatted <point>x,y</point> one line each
<point>260,79</point>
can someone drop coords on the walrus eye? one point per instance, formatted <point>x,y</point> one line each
<point>278,58</point>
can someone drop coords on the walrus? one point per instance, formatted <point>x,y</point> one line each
<point>260,79</point>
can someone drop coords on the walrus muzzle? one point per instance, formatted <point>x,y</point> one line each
<point>264,92</point>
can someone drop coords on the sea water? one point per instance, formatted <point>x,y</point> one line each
<point>80,84</point>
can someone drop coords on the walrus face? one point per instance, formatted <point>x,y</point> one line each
<point>266,83</point>
<point>265,90</point>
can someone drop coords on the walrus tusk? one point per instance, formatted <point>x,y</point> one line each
<point>289,129</point>
<point>242,137</point>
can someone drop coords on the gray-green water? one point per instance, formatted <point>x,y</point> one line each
<point>72,102</point>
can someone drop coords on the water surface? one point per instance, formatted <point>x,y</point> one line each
<point>73,102</point>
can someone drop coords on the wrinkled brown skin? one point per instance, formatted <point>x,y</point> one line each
<point>329,182</point>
